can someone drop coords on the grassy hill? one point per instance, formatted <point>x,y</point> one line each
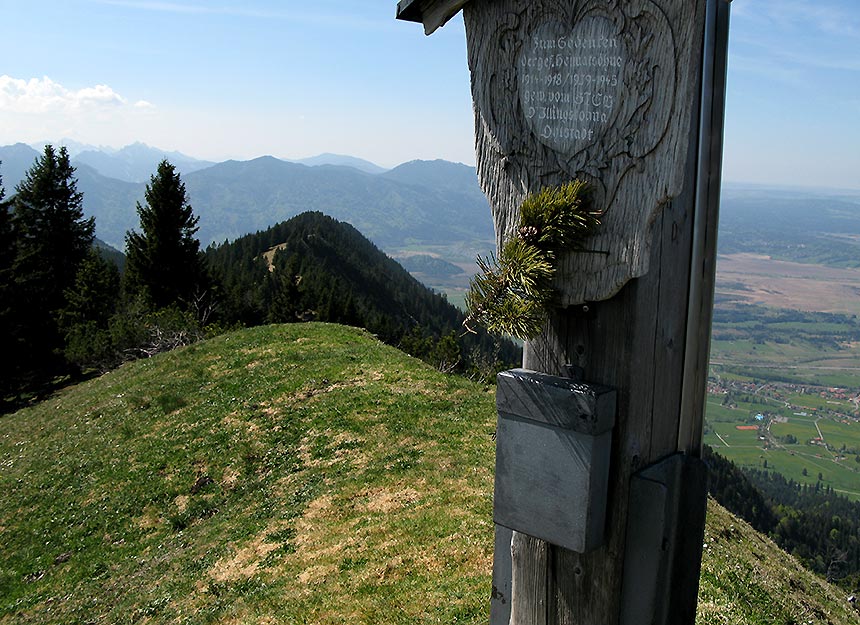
<point>291,474</point>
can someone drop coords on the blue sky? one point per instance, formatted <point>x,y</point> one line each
<point>224,79</point>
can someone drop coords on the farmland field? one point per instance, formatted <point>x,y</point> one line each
<point>759,279</point>
<point>800,461</point>
<point>802,429</point>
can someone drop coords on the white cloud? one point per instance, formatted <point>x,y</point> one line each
<point>43,95</point>
<point>796,42</point>
<point>41,109</point>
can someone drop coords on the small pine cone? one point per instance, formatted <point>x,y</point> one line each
<point>528,233</point>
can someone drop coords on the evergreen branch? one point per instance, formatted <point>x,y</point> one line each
<point>513,295</point>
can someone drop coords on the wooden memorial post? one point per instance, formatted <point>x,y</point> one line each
<point>600,491</point>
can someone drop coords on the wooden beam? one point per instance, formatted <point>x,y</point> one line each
<point>627,96</point>
<point>641,151</point>
<point>432,13</point>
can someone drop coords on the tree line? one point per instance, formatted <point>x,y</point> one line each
<point>817,525</point>
<point>66,307</point>
<point>760,325</point>
<point>315,267</point>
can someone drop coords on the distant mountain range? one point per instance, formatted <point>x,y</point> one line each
<point>420,202</point>
<point>342,160</point>
<point>136,162</point>
<point>416,205</point>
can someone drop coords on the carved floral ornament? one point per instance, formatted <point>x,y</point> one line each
<point>593,90</point>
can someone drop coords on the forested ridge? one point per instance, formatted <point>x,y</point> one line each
<point>817,525</point>
<point>70,306</point>
<point>313,267</point>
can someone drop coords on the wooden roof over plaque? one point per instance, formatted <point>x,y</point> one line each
<point>431,13</point>
<point>601,90</point>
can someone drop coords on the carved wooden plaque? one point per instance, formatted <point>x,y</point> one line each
<point>601,90</point>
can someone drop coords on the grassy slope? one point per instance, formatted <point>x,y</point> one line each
<point>747,580</point>
<point>289,474</point>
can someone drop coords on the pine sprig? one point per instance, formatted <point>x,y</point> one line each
<point>527,269</point>
<point>557,218</point>
<point>512,294</point>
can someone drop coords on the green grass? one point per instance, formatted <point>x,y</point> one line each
<point>838,434</point>
<point>285,474</point>
<point>733,437</point>
<point>207,481</point>
<point>763,587</point>
<point>756,341</point>
<point>801,462</point>
<point>718,412</point>
<point>802,429</point>
<point>747,368</point>
<point>820,403</point>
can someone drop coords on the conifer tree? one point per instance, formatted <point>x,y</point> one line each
<point>90,306</point>
<point>7,251</point>
<point>163,261</point>
<point>7,257</point>
<point>5,226</point>
<point>52,238</point>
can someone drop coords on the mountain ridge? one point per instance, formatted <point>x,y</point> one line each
<point>136,162</point>
<point>234,198</point>
<point>314,267</point>
<point>341,160</point>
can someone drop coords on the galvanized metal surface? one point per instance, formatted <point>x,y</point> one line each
<point>553,443</point>
<point>556,401</point>
<point>666,501</point>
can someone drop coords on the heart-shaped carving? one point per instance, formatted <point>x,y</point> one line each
<point>570,82</point>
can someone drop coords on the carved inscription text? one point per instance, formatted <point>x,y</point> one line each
<point>570,81</point>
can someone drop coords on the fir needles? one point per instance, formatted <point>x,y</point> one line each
<point>513,293</point>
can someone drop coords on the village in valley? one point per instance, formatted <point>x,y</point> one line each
<point>808,433</point>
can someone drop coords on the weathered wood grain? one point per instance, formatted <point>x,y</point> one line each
<point>432,13</point>
<point>635,343</point>
<point>530,558</point>
<point>641,59</point>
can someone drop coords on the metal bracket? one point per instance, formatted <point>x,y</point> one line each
<point>663,556</point>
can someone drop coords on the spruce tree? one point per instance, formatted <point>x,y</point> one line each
<point>90,307</point>
<point>7,330</point>
<point>6,239</point>
<point>164,264</point>
<point>7,251</point>
<point>52,238</point>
